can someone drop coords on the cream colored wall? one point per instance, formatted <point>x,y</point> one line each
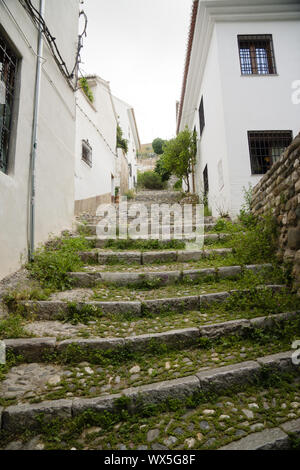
<point>56,134</point>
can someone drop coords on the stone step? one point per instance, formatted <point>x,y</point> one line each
<point>217,380</point>
<point>163,278</point>
<point>157,230</point>
<point>149,257</point>
<point>58,309</point>
<point>209,238</point>
<point>158,196</point>
<point>34,349</point>
<point>93,219</point>
<point>269,439</point>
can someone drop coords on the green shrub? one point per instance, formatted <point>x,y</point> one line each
<point>121,142</point>
<point>150,180</point>
<point>130,194</point>
<point>258,243</point>
<point>12,327</point>
<point>178,185</point>
<point>85,87</point>
<point>53,261</point>
<point>82,314</point>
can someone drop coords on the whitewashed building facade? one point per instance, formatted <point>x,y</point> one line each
<point>28,216</point>
<point>127,163</point>
<point>96,152</point>
<point>100,166</point>
<point>242,68</point>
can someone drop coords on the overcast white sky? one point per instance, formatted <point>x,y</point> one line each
<point>139,46</point>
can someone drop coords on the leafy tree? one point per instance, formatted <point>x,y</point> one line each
<point>121,142</point>
<point>157,145</point>
<point>180,155</point>
<point>161,170</point>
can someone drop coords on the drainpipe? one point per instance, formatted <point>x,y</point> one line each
<point>34,142</point>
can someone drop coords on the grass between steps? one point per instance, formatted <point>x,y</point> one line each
<point>156,363</point>
<point>255,244</point>
<point>90,321</point>
<point>186,421</point>
<point>152,289</point>
<point>214,260</point>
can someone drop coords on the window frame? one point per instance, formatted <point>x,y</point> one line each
<point>11,89</point>
<point>265,144</point>
<point>85,145</point>
<point>254,40</point>
<point>201,116</point>
<point>205,181</point>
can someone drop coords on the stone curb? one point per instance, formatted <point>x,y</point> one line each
<point>92,229</point>
<point>25,416</point>
<point>32,349</point>
<point>51,310</point>
<point>89,279</point>
<point>207,236</point>
<point>55,309</point>
<point>150,257</point>
<point>268,439</point>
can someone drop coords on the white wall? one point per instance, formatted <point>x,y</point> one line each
<point>56,134</point>
<point>126,121</point>
<point>235,104</point>
<point>96,123</point>
<point>256,102</point>
<point>212,146</point>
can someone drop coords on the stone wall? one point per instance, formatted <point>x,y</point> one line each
<point>146,164</point>
<point>91,204</point>
<point>279,190</point>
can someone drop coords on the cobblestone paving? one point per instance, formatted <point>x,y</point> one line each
<point>113,327</point>
<point>86,379</point>
<point>158,267</point>
<point>209,426</point>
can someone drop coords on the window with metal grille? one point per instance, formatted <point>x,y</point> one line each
<point>257,54</point>
<point>266,148</point>
<point>201,116</point>
<point>8,67</point>
<point>86,152</point>
<point>205,181</point>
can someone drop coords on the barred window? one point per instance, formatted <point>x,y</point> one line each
<point>201,116</point>
<point>257,55</point>
<point>266,148</point>
<point>205,181</point>
<point>86,152</point>
<point>8,67</point>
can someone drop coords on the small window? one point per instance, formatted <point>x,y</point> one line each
<point>86,152</point>
<point>266,148</point>
<point>205,181</point>
<point>130,169</point>
<point>201,116</point>
<point>8,67</point>
<point>257,55</point>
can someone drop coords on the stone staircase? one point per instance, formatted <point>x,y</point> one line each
<point>155,349</point>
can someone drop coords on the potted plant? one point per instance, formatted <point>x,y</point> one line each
<point>117,196</point>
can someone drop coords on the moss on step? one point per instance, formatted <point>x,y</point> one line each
<point>270,403</point>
